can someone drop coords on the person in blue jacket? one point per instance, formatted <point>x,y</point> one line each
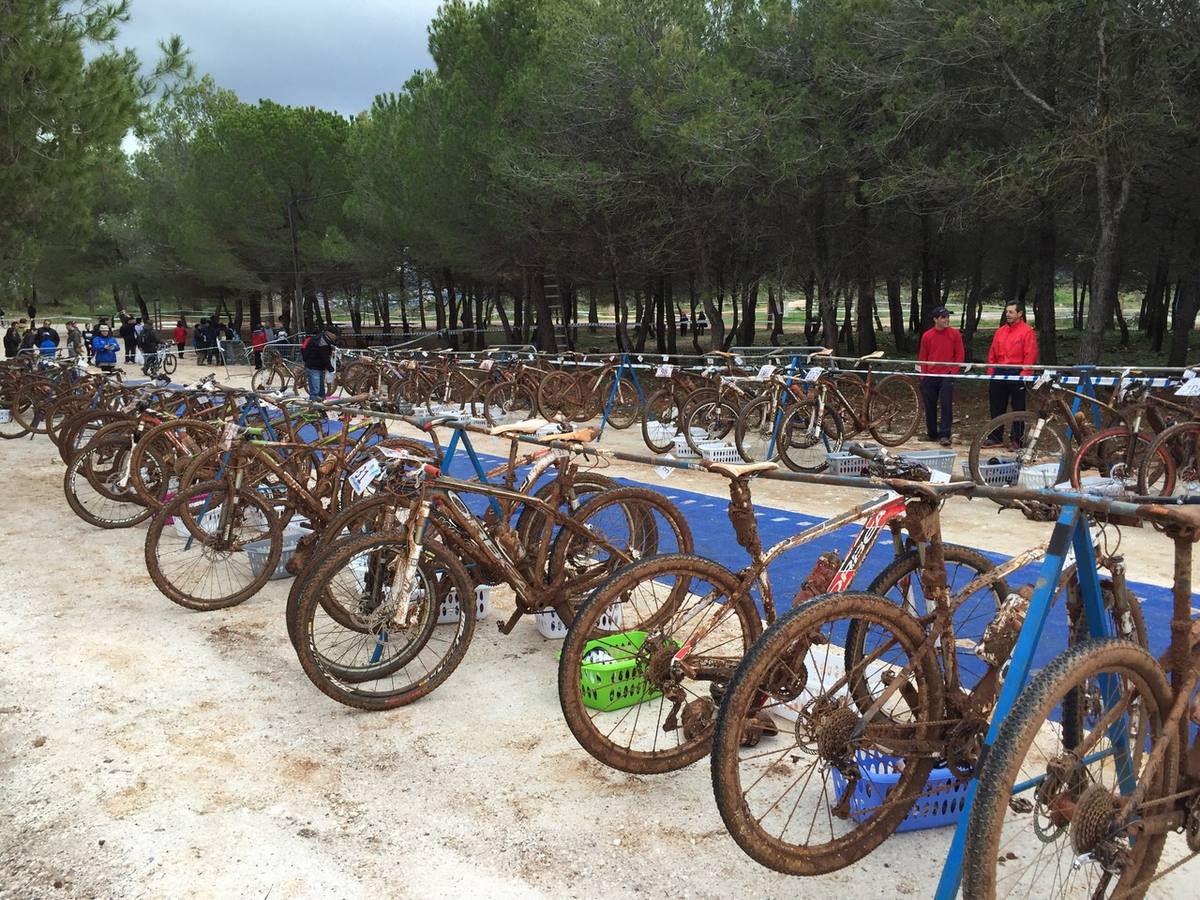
<point>105,347</point>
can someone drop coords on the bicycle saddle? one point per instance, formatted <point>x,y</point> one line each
<point>581,436</point>
<point>740,470</point>
<point>878,354</point>
<point>527,426</point>
<point>824,351</point>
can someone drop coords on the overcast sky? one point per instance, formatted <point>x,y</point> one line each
<point>335,55</point>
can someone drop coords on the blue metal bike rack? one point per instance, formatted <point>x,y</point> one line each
<point>1087,387</point>
<point>625,367</point>
<point>1070,531</point>
<point>791,374</point>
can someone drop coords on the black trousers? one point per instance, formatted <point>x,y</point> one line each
<point>130,350</point>
<point>1002,394</point>
<point>937,394</point>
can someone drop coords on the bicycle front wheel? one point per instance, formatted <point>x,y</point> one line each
<point>396,649</point>
<point>808,435</point>
<point>213,546</point>
<point>1182,443</point>
<point>1051,816</point>
<point>628,695</point>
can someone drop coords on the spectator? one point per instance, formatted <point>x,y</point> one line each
<point>198,343</point>
<point>28,341</point>
<point>47,339</point>
<point>105,347</point>
<point>258,343</point>
<point>74,341</point>
<point>317,353</point>
<point>1014,349</point>
<point>88,334</point>
<point>683,323</point>
<point>137,330</point>
<point>126,331</point>
<point>32,310</point>
<point>941,347</point>
<point>281,336</point>
<point>180,336</point>
<point>148,343</point>
<point>701,323</point>
<point>227,332</point>
<point>12,340</point>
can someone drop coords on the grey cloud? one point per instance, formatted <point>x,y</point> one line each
<point>297,52</point>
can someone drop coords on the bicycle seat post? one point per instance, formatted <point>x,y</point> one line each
<point>741,516</point>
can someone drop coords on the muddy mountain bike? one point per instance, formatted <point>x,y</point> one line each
<point>1096,763</point>
<point>365,626</point>
<point>689,620</point>
<point>873,692</point>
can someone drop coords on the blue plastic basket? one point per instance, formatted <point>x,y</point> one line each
<point>940,804</point>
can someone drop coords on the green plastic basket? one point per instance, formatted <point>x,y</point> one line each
<point>614,685</point>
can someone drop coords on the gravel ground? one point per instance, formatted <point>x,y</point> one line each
<point>148,751</point>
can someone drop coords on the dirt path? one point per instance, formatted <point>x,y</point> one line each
<point>147,751</point>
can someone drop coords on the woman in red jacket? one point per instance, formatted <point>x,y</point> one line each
<point>1014,349</point>
<point>180,336</point>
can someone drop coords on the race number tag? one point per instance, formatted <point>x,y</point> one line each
<point>486,365</point>
<point>664,472</point>
<point>1045,378</point>
<point>362,477</point>
<point>814,374</point>
<point>1190,388</point>
<point>228,434</point>
<point>664,371</point>
<point>738,361</point>
<point>938,477</point>
<point>765,372</point>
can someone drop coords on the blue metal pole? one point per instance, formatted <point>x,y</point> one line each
<point>1070,522</point>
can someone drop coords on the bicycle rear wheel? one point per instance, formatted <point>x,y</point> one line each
<point>812,799</point>
<point>1124,459</point>
<point>657,714</point>
<point>893,410</point>
<point>1049,814</point>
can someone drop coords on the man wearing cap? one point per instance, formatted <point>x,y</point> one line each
<point>941,351</point>
<point>317,353</point>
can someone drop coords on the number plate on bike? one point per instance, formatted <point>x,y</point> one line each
<point>362,477</point>
<point>765,372</point>
<point>664,371</point>
<point>814,374</point>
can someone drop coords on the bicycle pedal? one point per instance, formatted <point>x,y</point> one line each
<point>507,627</point>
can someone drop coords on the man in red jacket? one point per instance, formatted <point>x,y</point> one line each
<point>941,349</point>
<point>1014,349</point>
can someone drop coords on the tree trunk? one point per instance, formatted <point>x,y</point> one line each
<point>593,309</point>
<point>896,313</point>
<point>545,324</point>
<point>867,342</point>
<point>1104,271</point>
<point>1045,249</point>
<point>498,294</point>
<point>451,309</point>
<point>1186,305</point>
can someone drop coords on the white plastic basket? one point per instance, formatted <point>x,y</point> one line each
<point>1001,474</point>
<point>935,460</point>
<point>257,552</point>
<point>682,450</point>
<point>448,611</point>
<point>719,451</point>
<point>551,627</point>
<point>5,416</point>
<point>1043,475</point>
